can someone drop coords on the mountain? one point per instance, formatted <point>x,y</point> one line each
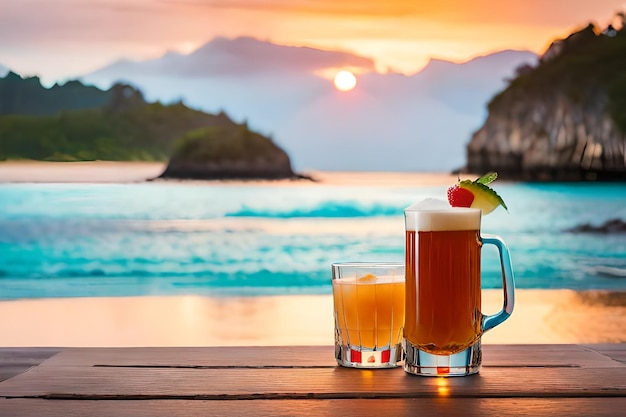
<point>563,120</point>
<point>235,57</point>
<point>27,96</point>
<point>3,70</point>
<point>390,122</point>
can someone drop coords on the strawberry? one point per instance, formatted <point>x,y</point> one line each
<point>460,197</point>
<point>482,196</point>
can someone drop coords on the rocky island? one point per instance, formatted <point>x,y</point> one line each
<point>228,153</point>
<point>564,119</point>
<point>75,122</point>
<point>610,226</point>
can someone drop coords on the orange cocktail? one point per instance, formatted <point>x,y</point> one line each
<point>369,312</point>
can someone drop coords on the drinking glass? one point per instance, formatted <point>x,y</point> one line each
<point>444,322</point>
<point>369,302</point>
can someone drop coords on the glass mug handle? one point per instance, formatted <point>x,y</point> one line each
<point>508,283</point>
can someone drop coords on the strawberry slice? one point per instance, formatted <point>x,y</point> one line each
<point>482,196</point>
<point>459,196</point>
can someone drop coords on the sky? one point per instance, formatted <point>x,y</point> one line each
<point>65,38</point>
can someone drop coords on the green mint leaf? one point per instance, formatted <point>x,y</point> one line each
<point>487,179</point>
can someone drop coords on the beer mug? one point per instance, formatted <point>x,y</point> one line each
<point>444,322</point>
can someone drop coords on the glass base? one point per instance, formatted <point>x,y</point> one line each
<point>418,362</point>
<point>358,357</point>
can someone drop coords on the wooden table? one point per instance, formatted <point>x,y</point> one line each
<point>519,380</point>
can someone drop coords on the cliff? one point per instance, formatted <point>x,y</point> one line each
<point>563,120</point>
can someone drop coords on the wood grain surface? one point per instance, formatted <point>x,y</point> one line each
<point>301,381</point>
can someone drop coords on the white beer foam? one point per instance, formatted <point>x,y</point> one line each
<point>432,215</point>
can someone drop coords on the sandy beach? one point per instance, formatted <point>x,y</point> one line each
<point>81,172</point>
<point>125,172</point>
<point>540,316</point>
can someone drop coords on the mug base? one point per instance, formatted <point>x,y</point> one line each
<point>418,362</point>
<point>367,358</point>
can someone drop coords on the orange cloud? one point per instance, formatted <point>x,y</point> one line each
<point>397,34</point>
<point>404,35</point>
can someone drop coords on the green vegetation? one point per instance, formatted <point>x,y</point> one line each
<point>75,122</point>
<point>219,144</point>
<point>579,66</point>
<point>144,133</point>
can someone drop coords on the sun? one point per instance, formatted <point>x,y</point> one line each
<point>345,80</point>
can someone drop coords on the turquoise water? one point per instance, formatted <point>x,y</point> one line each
<point>65,240</point>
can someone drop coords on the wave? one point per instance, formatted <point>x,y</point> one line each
<point>329,209</point>
<point>112,282</point>
<point>89,283</point>
<point>261,277</point>
<point>608,271</point>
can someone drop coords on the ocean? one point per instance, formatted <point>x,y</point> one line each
<point>174,238</point>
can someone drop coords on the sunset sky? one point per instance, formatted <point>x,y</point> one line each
<point>64,38</point>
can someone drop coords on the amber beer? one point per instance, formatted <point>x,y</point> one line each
<point>443,288</point>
